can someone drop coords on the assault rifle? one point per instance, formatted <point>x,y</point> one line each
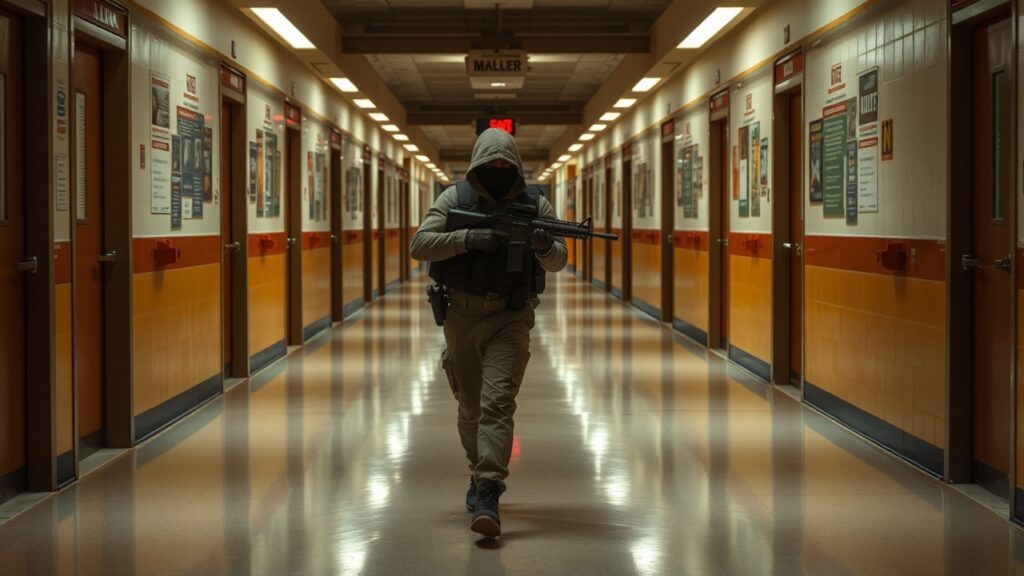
<point>516,223</point>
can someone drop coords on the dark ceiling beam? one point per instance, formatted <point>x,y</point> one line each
<point>468,116</point>
<point>462,43</point>
<point>457,156</point>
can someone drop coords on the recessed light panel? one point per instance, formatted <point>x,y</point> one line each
<point>283,27</point>
<point>711,25</point>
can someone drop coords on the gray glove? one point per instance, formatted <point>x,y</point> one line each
<point>482,240</point>
<point>542,241</point>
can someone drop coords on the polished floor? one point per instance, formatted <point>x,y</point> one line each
<point>636,453</point>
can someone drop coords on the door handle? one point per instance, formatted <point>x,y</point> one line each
<point>107,257</point>
<point>787,245</point>
<point>1004,263</point>
<point>795,246</point>
<point>669,239</point>
<point>722,241</point>
<point>334,238</point>
<point>233,246</point>
<point>290,241</point>
<point>29,265</point>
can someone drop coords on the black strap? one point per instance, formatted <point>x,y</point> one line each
<point>466,195</point>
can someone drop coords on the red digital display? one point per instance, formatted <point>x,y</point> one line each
<point>506,124</point>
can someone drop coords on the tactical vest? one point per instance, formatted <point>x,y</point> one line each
<point>479,273</point>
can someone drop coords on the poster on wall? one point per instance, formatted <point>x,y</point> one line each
<point>253,151</point>
<point>764,170</point>
<point>310,201</point>
<point>754,179</point>
<point>353,188</point>
<point>175,182</point>
<point>208,165</point>
<point>260,192</point>
<point>735,173</point>
<point>834,156</point>
<point>867,143</point>
<point>887,136</point>
<point>63,182</point>
<point>270,183</point>
<point>815,160</point>
<point>685,186</point>
<point>160,146</point>
<point>192,133</point>
<point>744,170</point>
<point>320,185</point>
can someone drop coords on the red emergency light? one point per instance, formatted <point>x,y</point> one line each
<point>506,124</point>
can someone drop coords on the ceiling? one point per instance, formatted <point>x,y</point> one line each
<point>419,47</point>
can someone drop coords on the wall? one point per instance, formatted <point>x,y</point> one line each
<point>750,221</point>
<point>646,211</point>
<point>175,202</point>
<point>876,339</point>
<point>316,225</point>
<point>874,355</point>
<point>690,242</point>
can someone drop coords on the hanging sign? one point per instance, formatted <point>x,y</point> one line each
<point>106,15</point>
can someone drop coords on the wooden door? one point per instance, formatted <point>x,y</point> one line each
<point>609,206</point>
<point>13,265</point>
<point>293,229</point>
<point>226,236</point>
<point>668,217</point>
<point>718,190</point>
<point>993,242</point>
<point>796,237</point>
<point>368,264</point>
<point>88,333</point>
<point>380,262</point>
<point>627,228</point>
<point>337,294</point>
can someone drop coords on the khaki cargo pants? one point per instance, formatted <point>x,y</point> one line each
<point>488,349</point>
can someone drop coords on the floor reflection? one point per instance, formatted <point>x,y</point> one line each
<point>637,452</point>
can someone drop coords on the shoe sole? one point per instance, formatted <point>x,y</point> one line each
<point>486,526</point>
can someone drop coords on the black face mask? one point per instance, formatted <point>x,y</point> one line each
<point>497,181</point>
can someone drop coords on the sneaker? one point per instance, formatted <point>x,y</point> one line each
<point>486,520</point>
<point>471,496</point>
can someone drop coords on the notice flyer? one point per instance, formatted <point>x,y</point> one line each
<point>160,145</point>
<point>815,160</point>
<point>867,143</point>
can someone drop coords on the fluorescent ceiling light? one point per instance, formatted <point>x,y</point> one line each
<point>400,137</point>
<point>598,127</point>
<point>625,102</point>
<point>498,84</point>
<point>564,158</point>
<point>412,148</point>
<point>389,128</point>
<point>610,116</point>
<point>365,103</point>
<point>576,147</point>
<point>423,158</point>
<point>283,27</point>
<point>587,137</point>
<point>645,84</point>
<point>711,25</point>
<point>379,116</point>
<point>556,165</point>
<point>344,84</point>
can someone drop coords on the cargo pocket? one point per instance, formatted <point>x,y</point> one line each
<point>449,371</point>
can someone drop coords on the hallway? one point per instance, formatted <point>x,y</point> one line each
<point>637,453</point>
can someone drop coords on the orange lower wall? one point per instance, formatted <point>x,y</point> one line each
<point>316,283</point>
<point>647,267</point>
<point>176,332</point>
<point>615,272</point>
<point>392,255</point>
<point>267,300</point>
<point>64,368</point>
<point>879,343</point>
<point>691,284</point>
<point>375,262</point>
<point>750,305</point>
<point>600,268</point>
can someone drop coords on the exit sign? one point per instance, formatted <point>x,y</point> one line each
<point>506,124</point>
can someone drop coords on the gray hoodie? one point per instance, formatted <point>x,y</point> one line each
<point>431,243</point>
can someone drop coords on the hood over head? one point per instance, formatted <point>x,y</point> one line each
<point>494,144</point>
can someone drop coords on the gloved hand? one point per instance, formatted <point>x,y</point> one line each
<point>542,241</point>
<point>482,240</point>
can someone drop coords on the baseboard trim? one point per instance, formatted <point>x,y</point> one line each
<point>316,328</point>
<point>159,417</point>
<point>755,365</point>
<point>696,334</point>
<point>647,308</point>
<point>267,356</point>
<point>874,428</point>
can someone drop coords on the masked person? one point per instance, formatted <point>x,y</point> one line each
<point>487,329</point>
